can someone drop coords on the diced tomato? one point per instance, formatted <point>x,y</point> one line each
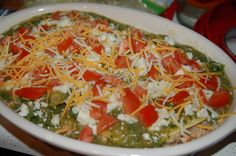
<point>32,93</point>
<point>130,101</point>
<point>4,40</point>
<point>121,62</point>
<point>124,46</point>
<point>181,57</point>
<point>54,82</point>
<point>45,27</point>
<point>15,49</point>
<point>100,84</point>
<point>210,82</point>
<point>152,73</point>
<point>194,65</point>
<point>98,48</point>
<point>101,104</point>
<point>75,48</point>
<point>136,41</point>
<point>112,80</point>
<point>41,72</point>
<point>99,111</point>
<point>106,122</point>
<point>91,76</point>
<point>23,54</point>
<point>96,113</point>
<point>151,58</point>
<point>24,30</point>
<point>86,134</point>
<point>185,84</point>
<point>220,98</point>
<point>137,33</point>
<point>28,37</point>
<point>179,97</point>
<point>101,21</point>
<point>95,45</point>
<point>140,91</point>
<point>203,97</point>
<point>171,64</point>
<point>73,14</point>
<point>64,45</point>
<point>56,15</point>
<point>137,45</point>
<point>73,70</point>
<point>147,116</point>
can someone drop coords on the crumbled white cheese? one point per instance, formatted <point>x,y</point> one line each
<point>156,138</point>
<point>189,109</point>
<point>169,40</point>
<point>112,106</point>
<point>93,57</point>
<point>155,88</point>
<point>203,113</point>
<point>127,118</point>
<point>30,103</point>
<point>114,102</point>
<point>38,113</point>
<point>141,64</point>
<point>156,126</point>
<point>146,136</point>
<point>84,118</point>
<point>95,32</point>
<point>48,22</point>
<point>208,93</point>
<point>108,40</point>
<point>2,64</point>
<point>55,119</point>
<point>64,22</point>
<point>162,120</point>
<point>26,77</point>
<point>189,56</point>
<point>65,88</point>
<point>186,67</point>
<point>108,37</point>
<point>37,105</point>
<point>9,85</point>
<point>199,62</point>
<point>180,72</point>
<point>44,104</point>
<point>75,110</point>
<point>213,113</point>
<point>24,110</point>
<point>163,113</point>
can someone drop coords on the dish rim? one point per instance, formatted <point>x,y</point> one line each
<point>71,144</point>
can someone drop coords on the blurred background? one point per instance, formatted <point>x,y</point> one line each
<point>214,19</point>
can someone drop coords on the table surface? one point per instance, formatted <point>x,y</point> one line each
<point>13,138</point>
